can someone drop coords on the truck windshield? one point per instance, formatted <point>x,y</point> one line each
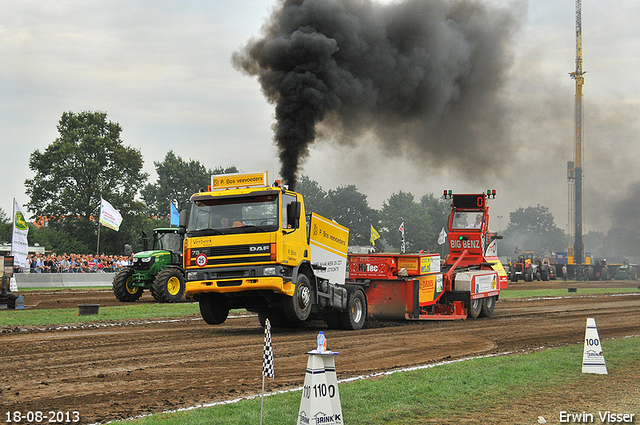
<point>467,220</point>
<point>234,215</point>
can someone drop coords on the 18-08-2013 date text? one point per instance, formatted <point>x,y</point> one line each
<point>42,416</point>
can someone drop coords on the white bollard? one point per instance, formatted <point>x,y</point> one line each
<point>592,358</point>
<point>320,403</point>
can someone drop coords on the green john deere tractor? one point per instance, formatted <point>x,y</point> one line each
<point>159,270</point>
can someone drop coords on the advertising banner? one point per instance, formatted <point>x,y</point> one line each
<point>19,243</point>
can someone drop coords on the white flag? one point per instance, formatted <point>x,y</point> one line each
<point>402,244</point>
<point>443,237</point>
<point>19,243</point>
<point>109,216</point>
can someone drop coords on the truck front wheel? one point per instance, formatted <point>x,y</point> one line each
<point>213,308</point>
<point>168,286</point>
<point>356,314</point>
<point>122,288</point>
<point>298,307</point>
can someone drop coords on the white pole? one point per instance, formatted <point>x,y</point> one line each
<point>98,245</point>
<point>262,399</point>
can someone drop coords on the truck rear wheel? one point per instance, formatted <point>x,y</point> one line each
<point>332,319</point>
<point>168,286</point>
<point>356,314</point>
<point>474,308</point>
<point>122,288</point>
<point>488,305</point>
<point>298,307</point>
<point>213,308</point>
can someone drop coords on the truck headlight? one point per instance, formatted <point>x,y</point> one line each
<point>269,271</point>
<point>192,275</point>
<point>146,259</point>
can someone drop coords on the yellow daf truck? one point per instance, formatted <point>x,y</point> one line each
<point>250,244</point>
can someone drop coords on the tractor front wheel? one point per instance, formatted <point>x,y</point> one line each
<point>168,286</point>
<point>122,286</point>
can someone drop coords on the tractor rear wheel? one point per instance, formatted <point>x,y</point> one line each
<point>122,288</point>
<point>168,286</point>
<point>298,307</point>
<point>356,314</point>
<point>213,308</point>
<point>474,308</point>
<point>544,274</point>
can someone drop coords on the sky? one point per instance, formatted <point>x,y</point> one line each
<point>163,71</point>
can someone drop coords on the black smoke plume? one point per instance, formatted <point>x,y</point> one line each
<point>422,77</point>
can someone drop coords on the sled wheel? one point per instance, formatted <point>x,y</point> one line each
<point>488,304</point>
<point>474,308</point>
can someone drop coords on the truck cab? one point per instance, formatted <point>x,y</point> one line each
<point>251,245</point>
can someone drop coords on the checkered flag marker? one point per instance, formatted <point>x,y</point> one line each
<point>267,365</point>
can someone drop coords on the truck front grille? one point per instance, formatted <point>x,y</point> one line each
<point>237,254</point>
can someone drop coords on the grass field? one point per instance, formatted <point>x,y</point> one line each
<point>512,292</point>
<point>510,389</point>
<point>62,316</point>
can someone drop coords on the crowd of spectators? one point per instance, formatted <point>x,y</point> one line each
<point>75,263</point>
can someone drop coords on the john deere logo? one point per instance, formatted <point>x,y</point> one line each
<point>20,222</point>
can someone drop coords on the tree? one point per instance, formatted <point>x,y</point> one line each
<point>6,227</point>
<point>177,181</point>
<point>594,243</point>
<point>350,208</point>
<point>87,162</point>
<point>621,244</point>
<point>315,198</point>
<point>438,209</point>
<point>534,229</point>
<point>401,208</point>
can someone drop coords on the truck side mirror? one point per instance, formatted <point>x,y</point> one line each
<point>184,219</point>
<point>293,214</point>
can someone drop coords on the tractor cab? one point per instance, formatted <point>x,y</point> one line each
<point>165,242</point>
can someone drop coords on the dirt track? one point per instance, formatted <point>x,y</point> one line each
<point>125,369</point>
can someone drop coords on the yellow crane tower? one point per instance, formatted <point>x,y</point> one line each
<point>574,169</point>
